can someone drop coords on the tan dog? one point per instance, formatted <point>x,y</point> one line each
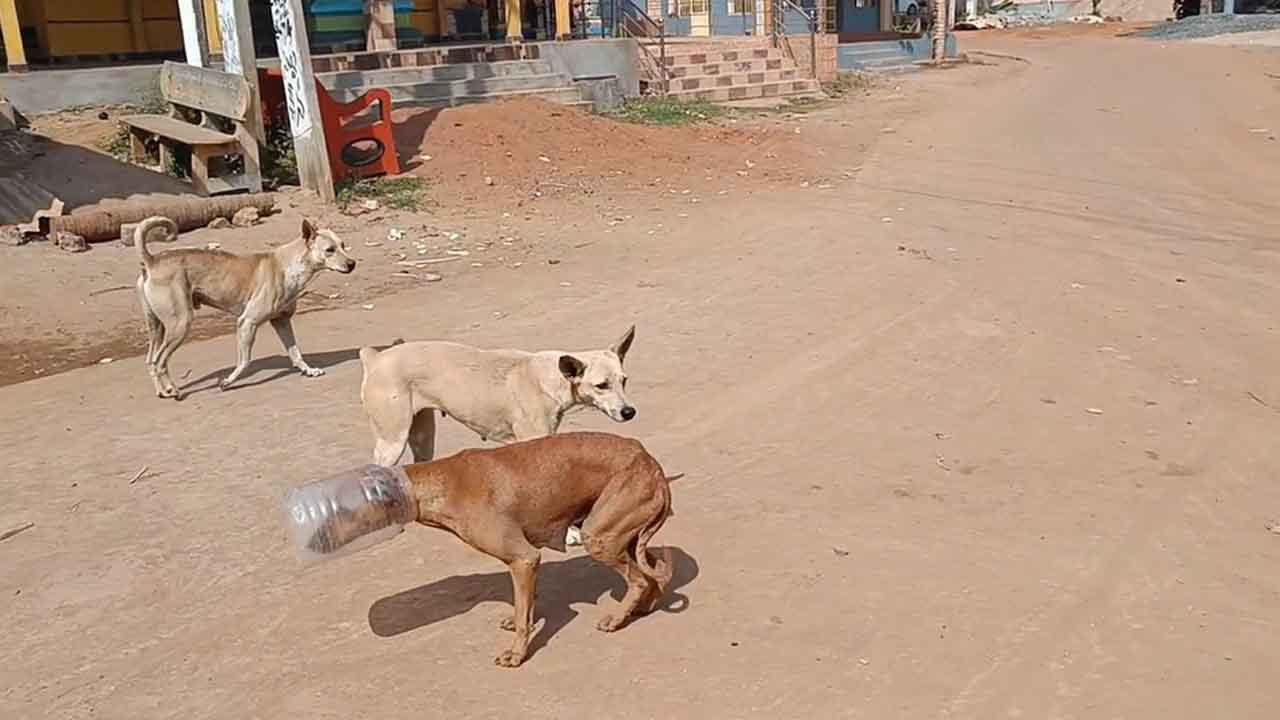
<point>258,288</point>
<point>510,501</point>
<point>502,395</point>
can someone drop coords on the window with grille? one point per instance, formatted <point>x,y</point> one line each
<point>742,7</point>
<point>685,8</point>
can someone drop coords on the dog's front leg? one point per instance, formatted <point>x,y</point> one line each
<point>284,329</point>
<point>524,581</point>
<point>246,330</point>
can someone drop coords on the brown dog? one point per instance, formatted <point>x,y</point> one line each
<point>510,501</point>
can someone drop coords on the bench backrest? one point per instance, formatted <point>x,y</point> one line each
<point>210,91</point>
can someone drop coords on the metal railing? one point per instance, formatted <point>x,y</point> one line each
<point>782,40</point>
<point>630,20</point>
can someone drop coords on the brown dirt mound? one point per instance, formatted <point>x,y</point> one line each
<point>533,148</point>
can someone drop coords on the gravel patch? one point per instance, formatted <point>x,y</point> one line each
<point>1203,26</point>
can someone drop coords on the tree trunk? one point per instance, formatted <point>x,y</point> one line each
<point>1206,7</point>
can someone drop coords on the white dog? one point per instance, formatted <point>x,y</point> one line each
<point>258,288</point>
<point>502,395</point>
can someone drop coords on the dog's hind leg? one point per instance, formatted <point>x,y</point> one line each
<point>422,435</point>
<point>175,315</point>
<point>608,549</point>
<point>615,531</point>
<point>155,336</point>
<point>390,419</point>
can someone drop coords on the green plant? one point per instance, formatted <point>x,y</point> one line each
<point>666,111</point>
<point>402,193</point>
<point>850,82</point>
<point>279,164</point>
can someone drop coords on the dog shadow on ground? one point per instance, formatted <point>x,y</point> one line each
<point>560,584</point>
<point>280,364</point>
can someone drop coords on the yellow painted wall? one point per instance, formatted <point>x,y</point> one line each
<point>211,26</point>
<point>99,27</point>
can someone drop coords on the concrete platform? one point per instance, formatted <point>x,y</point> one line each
<point>45,91</point>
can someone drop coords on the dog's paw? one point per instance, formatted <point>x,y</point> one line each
<point>508,624</point>
<point>609,623</point>
<point>573,537</point>
<point>312,372</point>
<point>509,659</point>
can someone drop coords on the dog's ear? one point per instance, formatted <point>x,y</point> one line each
<point>571,367</point>
<point>308,230</point>
<point>621,347</point>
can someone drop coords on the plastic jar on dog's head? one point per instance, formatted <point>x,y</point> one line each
<point>349,511</point>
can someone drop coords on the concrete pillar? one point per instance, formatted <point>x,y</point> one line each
<point>515,30</point>
<point>191,18</point>
<point>137,27</point>
<point>564,30</point>
<point>442,18</point>
<point>12,34</point>
<point>380,25</point>
<point>1228,7</point>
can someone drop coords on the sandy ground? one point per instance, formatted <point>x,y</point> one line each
<point>987,431</point>
<point>507,185</point>
<point>1262,38</point>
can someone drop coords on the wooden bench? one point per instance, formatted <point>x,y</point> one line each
<point>204,94</point>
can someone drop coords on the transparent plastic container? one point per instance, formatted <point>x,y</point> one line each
<point>350,511</point>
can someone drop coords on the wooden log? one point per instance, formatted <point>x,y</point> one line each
<point>187,211</point>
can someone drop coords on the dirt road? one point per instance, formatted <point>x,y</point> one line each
<point>988,432</point>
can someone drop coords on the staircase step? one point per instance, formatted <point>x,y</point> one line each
<point>721,68</point>
<point>746,92</point>
<point>416,92</point>
<point>873,53</point>
<point>734,79</point>
<point>349,79</point>
<point>570,96</point>
<point>720,56</point>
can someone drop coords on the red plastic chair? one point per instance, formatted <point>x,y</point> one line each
<point>342,129</point>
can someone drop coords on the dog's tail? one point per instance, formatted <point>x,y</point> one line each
<point>660,571</point>
<point>349,511</point>
<point>144,228</point>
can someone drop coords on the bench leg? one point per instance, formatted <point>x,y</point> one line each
<point>137,147</point>
<point>200,170</point>
<point>166,157</point>
<point>250,153</point>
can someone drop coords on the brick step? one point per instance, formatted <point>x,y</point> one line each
<point>425,57</point>
<point>412,93</point>
<point>787,88</point>
<point>562,96</point>
<point>349,79</point>
<point>752,65</point>
<point>720,56</point>
<point>735,79</point>
<point>687,44</point>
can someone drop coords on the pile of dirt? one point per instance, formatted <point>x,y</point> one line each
<point>529,148</point>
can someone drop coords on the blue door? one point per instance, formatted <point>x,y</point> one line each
<point>859,16</point>
<point>733,17</point>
